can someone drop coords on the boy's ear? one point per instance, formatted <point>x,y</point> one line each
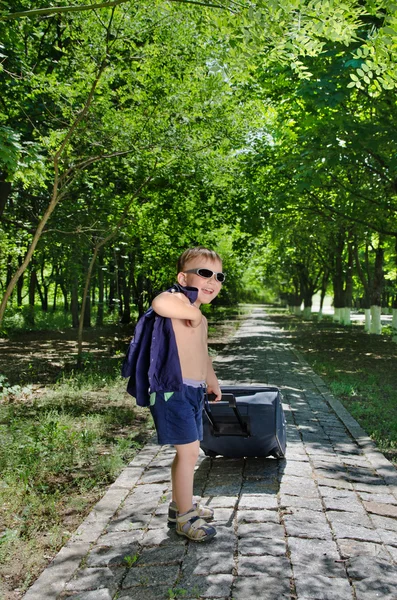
<point>181,277</point>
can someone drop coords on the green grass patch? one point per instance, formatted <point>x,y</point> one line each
<point>60,450</point>
<point>359,369</point>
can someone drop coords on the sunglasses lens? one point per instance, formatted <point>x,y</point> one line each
<point>205,273</point>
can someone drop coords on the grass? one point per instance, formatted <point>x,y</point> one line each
<point>60,450</point>
<point>359,368</point>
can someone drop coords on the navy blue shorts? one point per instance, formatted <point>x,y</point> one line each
<point>179,419</point>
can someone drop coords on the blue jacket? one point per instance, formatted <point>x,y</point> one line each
<point>152,361</point>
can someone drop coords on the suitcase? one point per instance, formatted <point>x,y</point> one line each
<point>248,421</point>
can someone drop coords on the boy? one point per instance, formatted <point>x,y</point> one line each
<point>178,414</point>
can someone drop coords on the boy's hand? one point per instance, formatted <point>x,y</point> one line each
<point>215,389</point>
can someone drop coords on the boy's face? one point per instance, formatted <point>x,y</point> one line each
<point>208,288</point>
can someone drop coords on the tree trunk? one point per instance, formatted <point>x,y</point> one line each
<point>74,302</point>
<point>376,291</point>
<point>99,314</point>
<point>5,190</point>
<point>20,285</point>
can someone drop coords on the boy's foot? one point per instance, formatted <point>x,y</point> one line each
<point>191,526</point>
<point>204,512</point>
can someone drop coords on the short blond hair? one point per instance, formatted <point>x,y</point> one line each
<point>191,253</point>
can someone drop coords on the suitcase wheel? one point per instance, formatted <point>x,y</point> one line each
<point>210,453</point>
<point>277,454</point>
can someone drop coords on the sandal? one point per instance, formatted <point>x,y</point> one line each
<point>204,512</point>
<point>191,526</point>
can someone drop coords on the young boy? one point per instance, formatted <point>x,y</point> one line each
<point>178,415</point>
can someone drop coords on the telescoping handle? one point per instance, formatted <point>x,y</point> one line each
<point>231,399</point>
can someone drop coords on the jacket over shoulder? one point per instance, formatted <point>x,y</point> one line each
<point>152,361</point>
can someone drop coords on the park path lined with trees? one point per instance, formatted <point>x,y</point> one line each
<point>131,130</point>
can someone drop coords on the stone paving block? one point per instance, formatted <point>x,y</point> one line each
<point>355,532</point>
<point>151,575</point>
<point>287,502</point>
<point>258,487</point>
<point>156,475</point>
<point>318,587</point>
<point>102,594</point>
<point>334,483</point>
<point>136,520</point>
<point>301,528</point>
<point>335,493</point>
<point>262,587</point>
<point>161,537</point>
<point>387,523</point>
<point>376,487</point>
<point>220,501</point>
<point>224,516</point>
<point>137,504</point>
<point>222,489</point>
<point>378,498</point>
<point>362,567</point>
<point>327,567</point>
<point>257,516</point>
<point>158,555</point>
<point>308,550</point>
<point>304,514</point>
<point>371,589</point>
<point>199,563</point>
<point>273,566</point>
<point>260,530</point>
<point>96,578</point>
<point>128,478</point>
<point>349,518</point>
<point>260,545</point>
<point>378,508</point>
<point>207,586</point>
<point>104,556</point>
<point>115,538</point>
<point>393,552</point>
<point>388,537</point>
<point>301,489</point>
<point>258,501</point>
<point>296,469</point>
<point>155,592</point>
<point>351,548</point>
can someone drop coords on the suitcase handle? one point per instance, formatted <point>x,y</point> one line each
<point>231,398</point>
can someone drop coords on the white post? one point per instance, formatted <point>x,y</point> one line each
<point>367,324</point>
<point>345,315</point>
<point>376,326</point>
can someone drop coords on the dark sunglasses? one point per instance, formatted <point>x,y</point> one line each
<point>207,274</point>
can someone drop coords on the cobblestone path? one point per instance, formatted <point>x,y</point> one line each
<point>320,525</point>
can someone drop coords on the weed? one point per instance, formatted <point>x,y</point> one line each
<point>176,593</point>
<point>130,560</point>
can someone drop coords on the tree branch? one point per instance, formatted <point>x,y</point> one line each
<point>44,12</point>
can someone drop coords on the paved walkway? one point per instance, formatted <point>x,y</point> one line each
<point>321,524</point>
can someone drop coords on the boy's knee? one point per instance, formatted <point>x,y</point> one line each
<point>188,452</point>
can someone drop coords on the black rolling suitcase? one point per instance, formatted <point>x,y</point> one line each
<point>248,421</point>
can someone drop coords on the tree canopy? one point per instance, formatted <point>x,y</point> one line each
<point>129,131</point>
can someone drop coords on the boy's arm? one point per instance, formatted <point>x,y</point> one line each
<point>212,382</point>
<point>177,306</point>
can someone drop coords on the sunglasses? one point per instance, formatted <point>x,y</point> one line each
<point>207,274</point>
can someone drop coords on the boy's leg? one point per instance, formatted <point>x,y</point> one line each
<point>182,473</point>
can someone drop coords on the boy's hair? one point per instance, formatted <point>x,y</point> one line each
<point>191,253</point>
